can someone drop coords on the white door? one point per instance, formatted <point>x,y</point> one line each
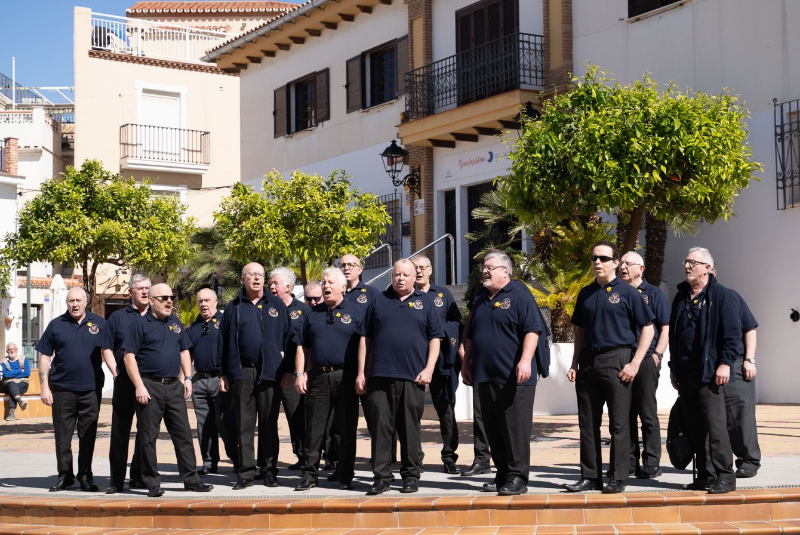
<point>159,132</point>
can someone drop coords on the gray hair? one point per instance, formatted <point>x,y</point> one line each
<point>316,284</point>
<point>337,274</point>
<point>422,257</point>
<point>287,276</point>
<point>707,258</point>
<point>80,289</point>
<point>137,278</point>
<point>403,261</point>
<point>504,261</point>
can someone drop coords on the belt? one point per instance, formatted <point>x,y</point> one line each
<point>206,375</point>
<point>250,365</point>
<point>328,369</point>
<point>607,349</point>
<point>162,380</point>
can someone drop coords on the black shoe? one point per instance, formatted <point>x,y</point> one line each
<point>450,467</point>
<point>205,470</point>
<point>88,485</point>
<point>346,485</point>
<point>648,472</point>
<point>410,485</point>
<point>199,486</point>
<point>63,483</point>
<point>260,474</point>
<point>514,486</point>
<point>333,477</point>
<point>306,484</point>
<point>330,466</point>
<point>112,490</point>
<point>697,484</point>
<point>296,466</point>
<point>243,483</point>
<point>585,484</point>
<point>271,481</point>
<point>476,469</point>
<point>155,492</point>
<point>378,487</point>
<point>137,484</point>
<point>722,487</point>
<point>489,487</point>
<point>745,472</point>
<point>615,486</point>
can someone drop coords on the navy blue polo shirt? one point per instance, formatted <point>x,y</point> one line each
<point>610,314</point>
<point>687,335</point>
<point>333,336</point>
<point>657,302</point>
<point>115,332</point>
<point>297,313</point>
<point>362,294</point>
<point>157,345</point>
<point>499,326</point>
<point>400,331</point>
<point>76,363</point>
<point>250,322</point>
<point>748,320</point>
<point>205,339</point>
<point>444,304</point>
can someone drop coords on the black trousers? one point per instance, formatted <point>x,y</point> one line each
<point>446,411</point>
<point>260,401</point>
<point>295,412</point>
<point>123,408</point>
<point>740,408</point>
<point>644,407</point>
<point>70,408</point>
<point>325,390</point>
<point>330,452</point>
<point>15,390</point>
<point>167,404</point>
<point>597,383</point>
<point>508,418</point>
<point>703,408</point>
<point>480,443</point>
<point>394,403</point>
<point>215,419</point>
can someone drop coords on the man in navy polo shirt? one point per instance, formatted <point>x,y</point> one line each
<point>122,409</point>
<point>705,342</point>
<point>282,281</point>
<point>158,362</point>
<point>644,405</point>
<point>71,378</point>
<point>503,337</point>
<point>356,290</point>
<point>255,336</point>
<point>403,332</point>
<point>448,366</point>
<point>213,409</point>
<point>607,316</point>
<point>329,370</point>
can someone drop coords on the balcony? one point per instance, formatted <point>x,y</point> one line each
<point>164,149</point>
<point>157,40</point>
<point>503,73</point>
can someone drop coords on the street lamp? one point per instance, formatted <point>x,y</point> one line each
<point>394,158</point>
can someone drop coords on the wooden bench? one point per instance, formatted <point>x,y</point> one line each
<point>36,409</point>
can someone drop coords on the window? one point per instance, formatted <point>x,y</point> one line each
<point>392,235</point>
<point>637,7</point>
<point>377,76</point>
<point>301,104</point>
<point>485,21</point>
<point>787,152</point>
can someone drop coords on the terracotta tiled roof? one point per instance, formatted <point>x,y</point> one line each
<point>171,9</point>
<point>45,282</point>
<point>158,62</point>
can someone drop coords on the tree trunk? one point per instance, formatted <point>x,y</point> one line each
<point>89,281</point>
<point>561,326</point>
<point>632,230</point>
<point>303,274</point>
<point>655,233</point>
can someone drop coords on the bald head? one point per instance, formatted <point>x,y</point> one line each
<point>161,300</point>
<point>403,277</point>
<point>207,303</point>
<point>76,303</point>
<point>631,268</point>
<point>253,280</point>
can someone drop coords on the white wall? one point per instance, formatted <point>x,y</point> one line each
<point>748,47</point>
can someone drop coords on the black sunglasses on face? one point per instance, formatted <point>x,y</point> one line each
<point>165,298</point>
<point>313,299</point>
<point>602,258</point>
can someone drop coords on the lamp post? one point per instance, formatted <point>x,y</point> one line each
<point>394,159</point>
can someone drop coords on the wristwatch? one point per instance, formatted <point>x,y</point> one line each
<point>187,378</point>
<point>296,375</point>
<point>659,355</point>
<point>751,360</point>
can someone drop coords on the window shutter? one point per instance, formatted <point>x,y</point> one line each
<point>279,112</point>
<point>510,18</point>
<point>463,31</point>
<point>353,87</point>
<point>401,55</point>
<point>322,97</point>
<point>479,29</point>
<point>494,21</point>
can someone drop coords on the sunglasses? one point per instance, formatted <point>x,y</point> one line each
<point>165,298</point>
<point>205,327</point>
<point>314,299</point>
<point>602,258</point>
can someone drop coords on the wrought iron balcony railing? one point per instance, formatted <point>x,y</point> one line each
<point>787,153</point>
<point>163,144</point>
<point>515,61</point>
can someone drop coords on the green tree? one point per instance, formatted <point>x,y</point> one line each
<point>307,218</point>
<point>681,156</point>
<point>90,216</point>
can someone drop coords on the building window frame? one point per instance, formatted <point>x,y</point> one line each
<point>376,76</point>
<point>302,104</point>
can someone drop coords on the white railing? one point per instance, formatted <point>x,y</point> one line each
<point>160,40</point>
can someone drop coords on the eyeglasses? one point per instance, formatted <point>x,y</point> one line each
<point>314,299</point>
<point>165,298</point>
<point>693,263</point>
<point>628,264</point>
<point>492,268</point>
<point>254,275</point>
<point>421,268</point>
<point>349,265</point>
<point>602,258</point>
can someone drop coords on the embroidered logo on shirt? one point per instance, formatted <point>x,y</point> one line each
<point>362,298</point>
<point>453,342</point>
<point>417,304</point>
<point>646,299</point>
<point>295,314</point>
<point>94,329</point>
<point>346,319</point>
<point>273,312</point>
<point>505,303</point>
<point>613,298</point>
<point>216,325</point>
<point>438,301</point>
<point>175,327</point>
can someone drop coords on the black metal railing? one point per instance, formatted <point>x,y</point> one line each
<point>3,156</point>
<point>787,153</point>
<point>160,143</point>
<point>17,93</point>
<point>515,61</point>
